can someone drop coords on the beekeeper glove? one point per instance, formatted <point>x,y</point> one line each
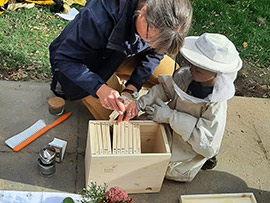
<point>159,112</point>
<point>182,123</point>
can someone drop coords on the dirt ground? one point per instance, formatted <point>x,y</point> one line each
<point>253,82</point>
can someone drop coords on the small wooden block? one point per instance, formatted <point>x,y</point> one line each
<point>104,139</point>
<point>99,135</point>
<point>114,114</point>
<point>118,142</point>
<point>138,142</point>
<point>96,139</point>
<point>108,137</point>
<point>114,139</point>
<point>126,137</point>
<point>134,140</point>
<point>122,136</point>
<point>130,139</point>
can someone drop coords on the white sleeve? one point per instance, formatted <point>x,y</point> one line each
<point>205,133</point>
<point>157,91</point>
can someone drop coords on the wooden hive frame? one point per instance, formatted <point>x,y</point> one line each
<point>219,198</point>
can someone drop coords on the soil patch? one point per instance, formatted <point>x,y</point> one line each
<point>253,82</point>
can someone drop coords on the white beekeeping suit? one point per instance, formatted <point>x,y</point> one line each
<point>197,125</point>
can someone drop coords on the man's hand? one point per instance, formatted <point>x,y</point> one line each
<point>130,88</point>
<point>109,99</point>
<point>132,109</point>
<point>131,112</point>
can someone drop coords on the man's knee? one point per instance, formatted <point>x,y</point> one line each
<point>65,88</point>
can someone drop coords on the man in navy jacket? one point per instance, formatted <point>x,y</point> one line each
<point>106,32</point>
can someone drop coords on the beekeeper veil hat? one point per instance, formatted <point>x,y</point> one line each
<point>212,52</point>
<point>215,53</point>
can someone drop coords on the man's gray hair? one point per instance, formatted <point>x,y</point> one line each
<point>172,18</point>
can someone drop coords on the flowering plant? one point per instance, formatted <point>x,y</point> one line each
<point>100,194</point>
<point>117,195</point>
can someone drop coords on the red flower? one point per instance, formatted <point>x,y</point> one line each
<point>117,195</point>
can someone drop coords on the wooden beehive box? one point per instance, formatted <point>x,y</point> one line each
<point>219,198</point>
<point>134,172</point>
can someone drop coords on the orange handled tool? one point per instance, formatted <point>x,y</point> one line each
<point>41,132</point>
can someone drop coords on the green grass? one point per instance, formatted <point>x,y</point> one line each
<point>241,21</point>
<point>26,34</point>
<point>25,37</point>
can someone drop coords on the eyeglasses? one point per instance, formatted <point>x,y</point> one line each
<point>151,33</point>
<point>147,30</point>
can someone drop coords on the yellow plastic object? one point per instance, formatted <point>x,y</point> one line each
<point>70,2</point>
<point>3,6</point>
<point>42,2</point>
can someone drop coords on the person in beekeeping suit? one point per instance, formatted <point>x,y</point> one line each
<point>193,103</point>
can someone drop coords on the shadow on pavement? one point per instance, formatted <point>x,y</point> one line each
<point>207,182</point>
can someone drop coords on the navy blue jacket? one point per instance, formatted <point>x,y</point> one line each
<point>94,44</point>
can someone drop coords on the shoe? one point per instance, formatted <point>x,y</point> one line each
<point>210,163</point>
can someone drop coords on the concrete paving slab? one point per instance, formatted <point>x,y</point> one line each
<point>22,104</point>
<point>251,116</point>
<point>22,168</point>
<point>243,162</point>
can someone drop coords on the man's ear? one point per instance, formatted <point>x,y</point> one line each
<point>144,10</point>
